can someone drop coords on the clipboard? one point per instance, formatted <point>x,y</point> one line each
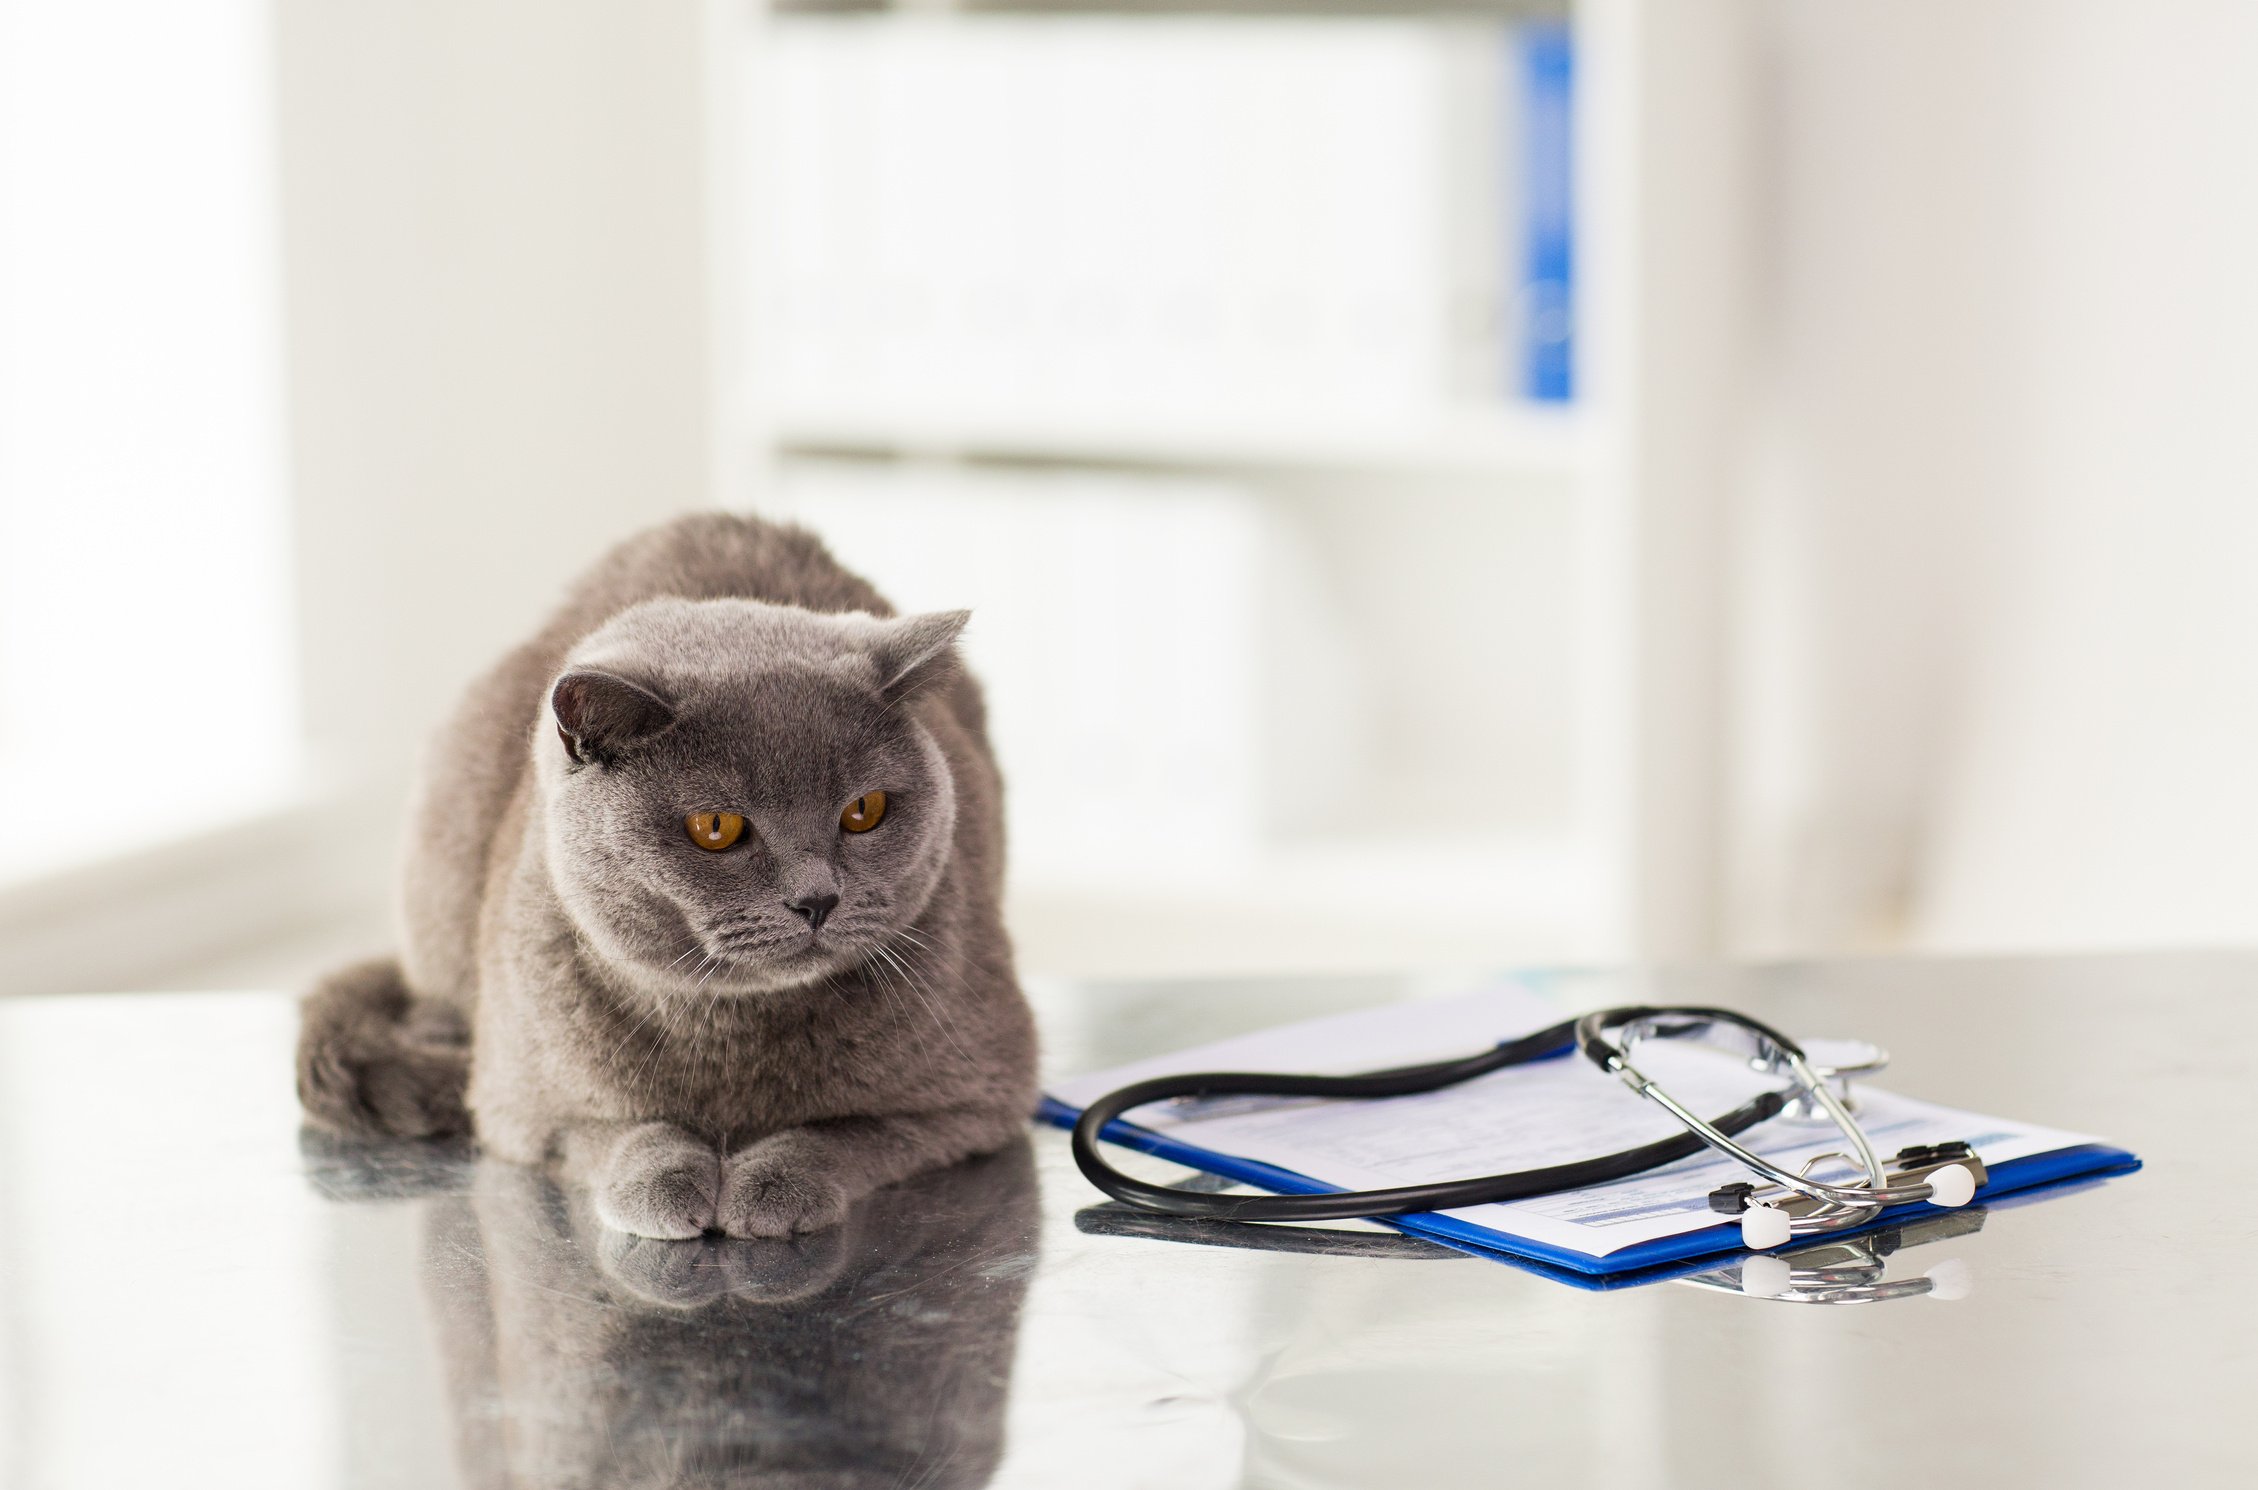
<point>2055,1165</point>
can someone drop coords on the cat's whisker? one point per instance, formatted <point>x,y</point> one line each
<point>643,1015</point>
<point>923,1468</point>
<point>691,1010</point>
<point>678,1013</point>
<point>666,1043</point>
<point>877,977</point>
<point>933,965</point>
<point>937,965</point>
<point>653,1007</point>
<point>898,992</point>
<point>931,1007</point>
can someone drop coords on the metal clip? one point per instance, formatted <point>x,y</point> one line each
<point>1909,1166</point>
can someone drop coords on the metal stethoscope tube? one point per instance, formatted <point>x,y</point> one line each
<point>1608,1036</point>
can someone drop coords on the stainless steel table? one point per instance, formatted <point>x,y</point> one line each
<point>193,1293</point>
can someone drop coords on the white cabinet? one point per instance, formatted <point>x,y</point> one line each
<point>1182,347</point>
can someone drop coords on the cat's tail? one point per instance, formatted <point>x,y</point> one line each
<point>375,1060</point>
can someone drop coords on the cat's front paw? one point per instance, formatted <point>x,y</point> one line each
<point>778,1188</point>
<point>659,1182</point>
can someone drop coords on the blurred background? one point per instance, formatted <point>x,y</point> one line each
<point>1439,483</point>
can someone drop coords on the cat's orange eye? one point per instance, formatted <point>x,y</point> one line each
<point>714,831</point>
<point>863,812</point>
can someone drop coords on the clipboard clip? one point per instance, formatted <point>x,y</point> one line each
<point>1908,1166</point>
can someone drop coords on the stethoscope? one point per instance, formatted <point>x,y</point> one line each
<point>1785,1204</point>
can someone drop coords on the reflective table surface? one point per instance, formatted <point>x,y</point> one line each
<point>192,1292</point>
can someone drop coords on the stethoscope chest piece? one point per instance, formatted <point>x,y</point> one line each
<point>1838,1063</point>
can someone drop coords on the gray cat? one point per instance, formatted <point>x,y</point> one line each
<point>702,902</point>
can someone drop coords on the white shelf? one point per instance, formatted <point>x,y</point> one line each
<point>1651,461</point>
<point>1502,441</point>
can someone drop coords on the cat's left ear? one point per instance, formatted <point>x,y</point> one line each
<point>916,652</point>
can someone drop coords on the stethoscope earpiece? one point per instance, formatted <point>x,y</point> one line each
<point>1764,1227</point>
<point>1952,1185</point>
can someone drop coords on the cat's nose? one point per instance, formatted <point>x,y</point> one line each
<point>814,908</point>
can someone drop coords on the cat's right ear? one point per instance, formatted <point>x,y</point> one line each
<point>916,652</point>
<point>601,714</point>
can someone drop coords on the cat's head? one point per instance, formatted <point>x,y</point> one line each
<point>736,796</point>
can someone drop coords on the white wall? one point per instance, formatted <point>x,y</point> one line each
<point>144,637</point>
<point>503,320</point>
<point>504,316</point>
<point>1999,682</point>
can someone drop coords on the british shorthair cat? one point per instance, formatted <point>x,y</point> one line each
<point>702,902</point>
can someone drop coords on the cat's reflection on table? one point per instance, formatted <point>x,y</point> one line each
<point>875,1353</point>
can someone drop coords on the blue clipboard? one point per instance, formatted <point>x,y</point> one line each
<point>1642,1262</point>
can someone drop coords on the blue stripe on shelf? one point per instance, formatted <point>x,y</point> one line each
<point>1544,58</point>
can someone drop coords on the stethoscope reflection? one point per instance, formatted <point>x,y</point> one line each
<point>1853,1270</point>
<point>876,1353</point>
<point>1840,1270</point>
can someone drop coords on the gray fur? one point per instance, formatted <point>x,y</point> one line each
<point>655,1018</point>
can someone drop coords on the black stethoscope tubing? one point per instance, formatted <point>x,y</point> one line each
<point>1400,1081</point>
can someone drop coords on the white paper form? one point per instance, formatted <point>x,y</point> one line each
<point>1527,1117</point>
